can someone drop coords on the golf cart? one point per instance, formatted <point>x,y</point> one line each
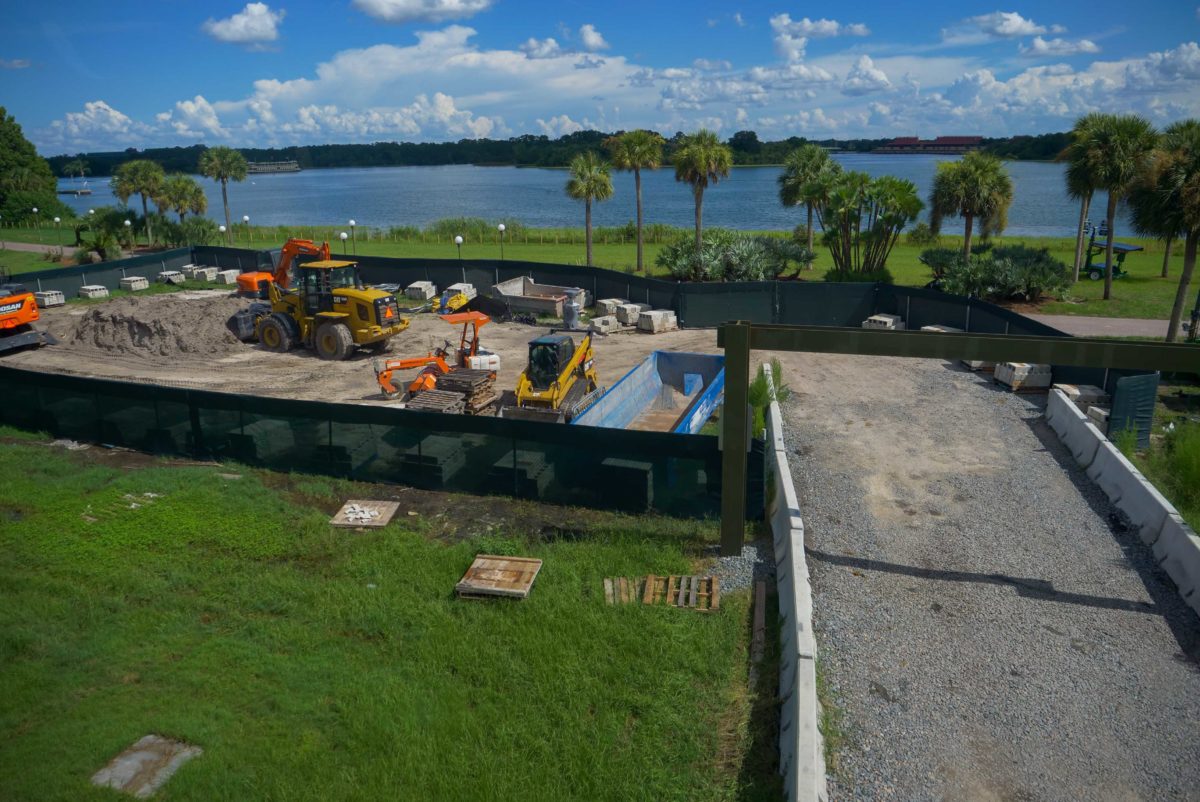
<point>1095,271</point>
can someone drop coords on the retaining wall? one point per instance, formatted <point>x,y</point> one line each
<point>801,749</point>
<point>1175,546</point>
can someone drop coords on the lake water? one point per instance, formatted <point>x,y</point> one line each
<point>748,199</point>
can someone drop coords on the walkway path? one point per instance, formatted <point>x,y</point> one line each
<point>987,628</point>
<point>28,247</point>
<point>1083,326</point>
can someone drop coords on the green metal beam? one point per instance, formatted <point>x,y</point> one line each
<point>735,433</point>
<point>1088,352</point>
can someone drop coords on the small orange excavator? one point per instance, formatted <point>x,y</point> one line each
<point>470,356</point>
<point>18,313</point>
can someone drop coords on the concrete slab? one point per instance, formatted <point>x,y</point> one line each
<point>146,766</point>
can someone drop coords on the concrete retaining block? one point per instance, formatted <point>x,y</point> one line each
<point>421,290</point>
<point>1178,552</point>
<point>93,291</point>
<point>135,283</point>
<point>1145,507</point>
<point>657,321</point>
<point>227,276</point>
<point>1084,395</point>
<point>606,324</point>
<point>205,274</point>
<point>1020,375</point>
<point>48,298</point>
<point>1080,437</point>
<point>629,313</point>
<point>608,306</point>
<point>189,271</point>
<point>466,289</point>
<point>889,322</point>
<point>171,277</point>
<point>1111,471</point>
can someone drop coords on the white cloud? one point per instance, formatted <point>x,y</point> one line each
<point>401,11</point>
<point>993,26</point>
<point>591,38</point>
<point>98,122</point>
<point>439,117</point>
<point>1040,48</point>
<point>864,77</point>
<point>541,48</point>
<point>791,36</point>
<point>558,126</point>
<point>193,119</point>
<point>14,63</point>
<point>741,23</point>
<point>712,64</point>
<point>253,25</point>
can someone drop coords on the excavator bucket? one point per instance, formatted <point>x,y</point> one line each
<point>26,339</point>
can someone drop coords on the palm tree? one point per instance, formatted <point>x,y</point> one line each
<point>77,167</point>
<point>181,194</point>
<point>590,181</point>
<point>1081,183</point>
<point>1167,203</point>
<point>224,164</point>
<point>801,180</point>
<point>701,159</point>
<point>1122,153</point>
<point>636,151</point>
<point>139,177</point>
<point>976,187</point>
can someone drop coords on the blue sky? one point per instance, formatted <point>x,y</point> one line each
<point>90,76</point>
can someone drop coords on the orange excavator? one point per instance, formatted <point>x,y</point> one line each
<point>330,311</point>
<point>18,313</point>
<point>469,356</point>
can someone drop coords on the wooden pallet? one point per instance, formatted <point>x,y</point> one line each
<point>1021,387</point>
<point>491,575</point>
<point>701,593</point>
<point>438,401</point>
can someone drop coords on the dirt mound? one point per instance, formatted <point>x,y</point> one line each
<point>159,325</point>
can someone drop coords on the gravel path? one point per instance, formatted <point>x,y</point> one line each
<point>988,628</point>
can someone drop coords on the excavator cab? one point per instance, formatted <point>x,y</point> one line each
<point>316,281</point>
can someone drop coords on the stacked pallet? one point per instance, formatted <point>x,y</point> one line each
<point>477,387</point>
<point>438,401</point>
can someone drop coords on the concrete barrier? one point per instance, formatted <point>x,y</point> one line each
<point>1178,552</point>
<point>801,748</point>
<point>1076,432</point>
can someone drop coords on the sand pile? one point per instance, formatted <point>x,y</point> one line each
<point>160,325</point>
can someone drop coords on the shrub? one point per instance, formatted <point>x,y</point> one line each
<point>728,256</point>
<point>922,234</point>
<point>939,260</point>
<point>882,275</point>
<point>1001,274</point>
<point>404,233</point>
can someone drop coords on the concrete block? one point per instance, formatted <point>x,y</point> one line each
<point>1099,416</point>
<point>657,321</point>
<point>189,271</point>
<point>943,329</point>
<point>1112,472</point>
<point>1146,508</point>
<point>1178,552</point>
<point>1084,395</point>
<point>1078,434</point>
<point>135,283</point>
<point>1021,375</point>
<point>606,323</point>
<point>629,313</point>
<point>205,274</point>
<point>979,365</point>
<point>48,298</point>
<point>421,290</point>
<point>466,289</point>
<point>227,276</point>
<point>888,322</point>
<point>171,277</point>
<point>93,291</point>
<point>608,306</point>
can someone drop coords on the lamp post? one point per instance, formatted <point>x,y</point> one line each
<point>221,231</point>
<point>500,228</point>
<point>343,237</point>
<point>129,234</point>
<point>458,244</point>
<point>246,222</point>
<point>353,240</point>
<point>58,231</point>
<point>37,224</point>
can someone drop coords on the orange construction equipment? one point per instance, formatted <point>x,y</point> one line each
<point>255,284</point>
<point>18,313</point>
<point>469,356</point>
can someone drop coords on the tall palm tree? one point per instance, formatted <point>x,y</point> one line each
<point>1122,153</point>
<point>701,159</point>
<point>1167,203</point>
<point>636,151</point>
<point>590,181</point>
<point>800,181</point>
<point>1081,183</point>
<point>77,167</point>
<point>139,177</point>
<point>977,187</point>
<point>224,164</point>
<point>181,194</point>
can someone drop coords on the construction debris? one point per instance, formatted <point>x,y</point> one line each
<point>421,290</point>
<point>657,321</point>
<point>492,575</point>
<point>145,766</point>
<point>629,313</point>
<point>438,401</point>
<point>358,513</point>
<point>608,306</point>
<point>477,387</point>
<point>702,593</point>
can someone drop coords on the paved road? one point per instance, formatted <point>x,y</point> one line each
<point>1083,326</point>
<point>987,627</point>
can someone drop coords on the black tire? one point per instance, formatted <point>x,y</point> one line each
<point>334,342</point>
<point>381,347</point>
<point>1095,275</point>
<point>275,334</point>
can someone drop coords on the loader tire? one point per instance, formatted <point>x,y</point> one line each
<point>275,334</point>
<point>334,342</point>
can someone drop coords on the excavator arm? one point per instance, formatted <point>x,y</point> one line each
<point>250,284</point>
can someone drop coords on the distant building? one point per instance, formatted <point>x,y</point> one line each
<point>943,144</point>
<point>273,167</point>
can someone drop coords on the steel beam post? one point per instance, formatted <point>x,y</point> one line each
<point>735,429</point>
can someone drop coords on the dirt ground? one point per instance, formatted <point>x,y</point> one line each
<point>147,348</point>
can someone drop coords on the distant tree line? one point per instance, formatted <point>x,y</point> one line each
<point>528,150</point>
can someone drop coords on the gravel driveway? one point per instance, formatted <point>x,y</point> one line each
<point>988,628</point>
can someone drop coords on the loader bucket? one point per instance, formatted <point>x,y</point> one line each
<point>544,415</point>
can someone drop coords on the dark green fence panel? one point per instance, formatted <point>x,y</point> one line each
<point>1133,401</point>
<point>704,305</point>
<point>68,280</point>
<point>824,303</point>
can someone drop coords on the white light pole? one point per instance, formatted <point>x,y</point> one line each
<point>353,239</point>
<point>458,244</point>
<point>343,237</point>
<point>246,222</point>
<point>37,224</point>
<point>58,230</point>
<point>500,228</point>
<point>129,234</point>
<point>221,230</point>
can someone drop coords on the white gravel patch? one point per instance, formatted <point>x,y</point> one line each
<point>988,627</point>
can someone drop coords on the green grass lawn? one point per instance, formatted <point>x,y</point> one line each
<point>312,663</point>
<point>1142,294</point>
<point>1172,462</point>
<point>17,262</point>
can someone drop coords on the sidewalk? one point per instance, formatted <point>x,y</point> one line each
<point>28,247</point>
<point>1082,326</point>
